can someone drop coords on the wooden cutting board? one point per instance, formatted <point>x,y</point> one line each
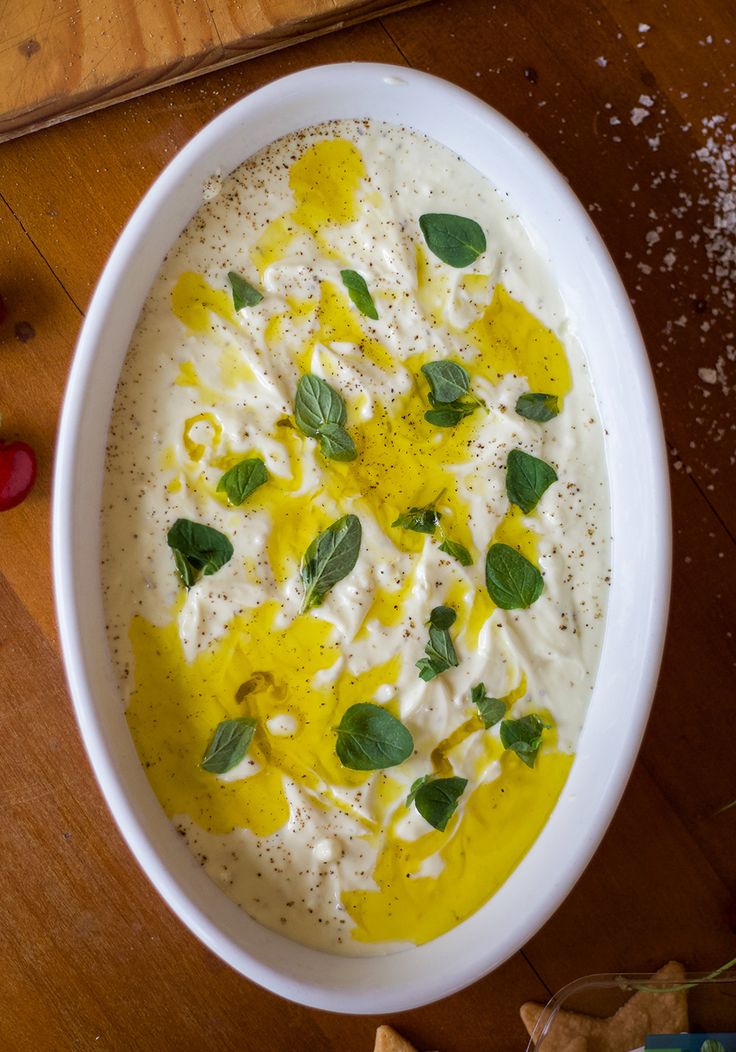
<point>61,58</point>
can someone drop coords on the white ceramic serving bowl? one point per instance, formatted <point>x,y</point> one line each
<point>636,460</point>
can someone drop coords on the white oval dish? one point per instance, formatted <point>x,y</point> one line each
<point>640,523</point>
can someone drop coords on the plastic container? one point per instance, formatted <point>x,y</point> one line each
<point>711,1008</point>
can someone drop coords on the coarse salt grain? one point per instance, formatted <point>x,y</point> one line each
<point>718,156</point>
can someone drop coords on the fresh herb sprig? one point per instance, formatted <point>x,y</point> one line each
<point>450,395</point>
<point>527,479</point>
<point>428,519</point>
<point>317,404</point>
<point>455,240</point>
<point>228,745</point>
<point>320,413</point>
<point>440,649</point>
<point>243,479</point>
<point>490,710</point>
<point>358,291</point>
<point>329,558</point>
<point>448,415</point>
<point>369,738</point>
<point>457,551</point>
<point>513,582</point>
<point>244,294</point>
<point>524,737</point>
<point>198,550</point>
<point>336,443</point>
<point>538,407</point>
<point>420,520</point>
<point>436,799</point>
<point>448,380</point>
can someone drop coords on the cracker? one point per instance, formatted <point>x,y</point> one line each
<point>646,1012</point>
<point>387,1040</point>
<point>667,1012</point>
<point>567,1027</point>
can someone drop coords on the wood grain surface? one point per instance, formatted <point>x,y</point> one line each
<point>62,58</point>
<point>635,104</point>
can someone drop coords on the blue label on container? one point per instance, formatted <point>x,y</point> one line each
<point>692,1042</point>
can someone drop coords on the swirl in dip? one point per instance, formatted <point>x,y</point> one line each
<point>329,855</point>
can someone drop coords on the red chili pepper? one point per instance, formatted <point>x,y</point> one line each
<point>17,473</point>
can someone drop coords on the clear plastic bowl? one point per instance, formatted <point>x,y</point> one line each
<point>711,1003</point>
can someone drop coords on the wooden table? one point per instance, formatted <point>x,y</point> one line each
<point>621,97</point>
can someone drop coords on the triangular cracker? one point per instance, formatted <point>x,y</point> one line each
<point>530,1012</point>
<point>567,1025</point>
<point>387,1040</point>
<point>666,1012</point>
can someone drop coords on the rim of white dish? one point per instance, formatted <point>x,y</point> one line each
<point>426,973</point>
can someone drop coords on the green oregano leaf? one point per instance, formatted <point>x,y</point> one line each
<point>447,416</point>
<point>243,479</point>
<point>415,787</point>
<point>447,380</point>
<point>436,799</point>
<point>455,240</point>
<point>419,520</point>
<point>336,443</point>
<point>490,710</point>
<point>244,295</point>
<point>513,582</point>
<point>189,575</point>
<point>538,407</point>
<point>198,549</point>
<point>316,405</point>
<point>369,738</point>
<point>320,413</point>
<point>329,558</point>
<point>449,385</point>
<point>440,649</point>
<point>359,294</point>
<point>524,737</point>
<point>442,617</point>
<point>527,478</point>
<point>229,744</point>
<point>457,551</point>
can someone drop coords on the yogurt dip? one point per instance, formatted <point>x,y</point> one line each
<point>331,856</point>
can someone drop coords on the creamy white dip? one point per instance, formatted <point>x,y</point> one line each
<point>201,383</point>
